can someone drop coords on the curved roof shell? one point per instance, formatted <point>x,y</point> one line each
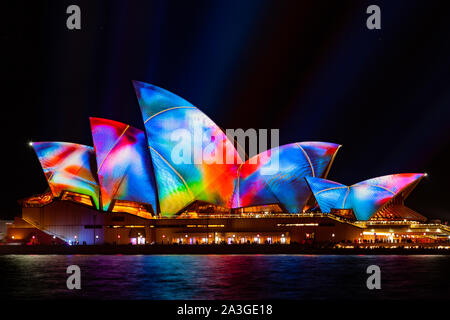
<point>123,162</point>
<point>188,151</point>
<point>69,167</point>
<point>366,197</point>
<point>277,175</point>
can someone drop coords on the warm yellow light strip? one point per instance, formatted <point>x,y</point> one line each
<point>297,224</point>
<point>378,233</point>
<point>177,173</point>
<point>205,226</point>
<point>162,111</point>
<point>115,143</point>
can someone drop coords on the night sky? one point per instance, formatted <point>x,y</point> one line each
<point>310,68</point>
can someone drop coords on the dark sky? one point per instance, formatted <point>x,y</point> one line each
<point>310,68</point>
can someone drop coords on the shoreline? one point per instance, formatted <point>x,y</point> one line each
<point>156,249</point>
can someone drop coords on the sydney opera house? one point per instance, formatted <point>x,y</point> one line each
<point>126,189</point>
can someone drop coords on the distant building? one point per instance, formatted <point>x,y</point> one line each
<point>128,188</point>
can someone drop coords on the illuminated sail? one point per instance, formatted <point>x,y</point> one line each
<point>277,175</point>
<point>123,162</point>
<point>366,197</point>
<point>181,138</point>
<point>69,167</point>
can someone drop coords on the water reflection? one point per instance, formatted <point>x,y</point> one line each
<point>224,277</point>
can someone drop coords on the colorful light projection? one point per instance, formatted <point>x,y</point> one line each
<point>366,197</point>
<point>171,122</point>
<point>123,162</point>
<point>126,176</point>
<point>260,183</point>
<point>68,167</point>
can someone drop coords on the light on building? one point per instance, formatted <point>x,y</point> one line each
<point>425,174</point>
<point>96,237</point>
<point>75,237</point>
<point>54,237</point>
<point>332,235</point>
<point>12,237</point>
<point>438,230</point>
<point>234,235</point>
<point>118,236</point>
<point>30,144</point>
<point>282,235</point>
<point>186,235</point>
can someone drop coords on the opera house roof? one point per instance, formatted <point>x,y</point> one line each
<point>365,197</point>
<point>128,164</point>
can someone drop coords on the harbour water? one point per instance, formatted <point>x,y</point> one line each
<point>225,277</point>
